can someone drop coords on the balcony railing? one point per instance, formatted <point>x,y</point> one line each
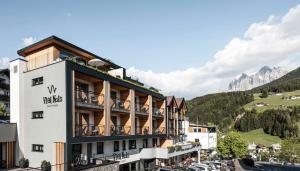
<point>180,130</point>
<point>89,130</point>
<point>142,108</point>
<point>160,130</point>
<point>158,112</point>
<point>171,130</point>
<point>120,130</point>
<point>121,105</point>
<point>90,98</point>
<point>142,130</point>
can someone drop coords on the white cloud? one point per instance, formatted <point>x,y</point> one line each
<point>4,61</point>
<point>273,42</point>
<point>28,40</point>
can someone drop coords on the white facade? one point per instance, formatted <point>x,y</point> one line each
<point>26,99</point>
<point>208,140</point>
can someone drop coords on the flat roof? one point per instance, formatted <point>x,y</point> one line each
<point>54,40</point>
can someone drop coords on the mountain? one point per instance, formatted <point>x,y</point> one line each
<point>263,76</point>
<point>286,83</point>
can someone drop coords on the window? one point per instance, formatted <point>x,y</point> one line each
<point>154,142</point>
<point>124,145</point>
<point>196,140</point>
<point>132,144</point>
<point>37,81</point>
<point>116,146</point>
<point>38,115</point>
<point>199,129</point>
<point>145,143</point>
<point>195,129</point>
<point>37,147</point>
<point>100,148</point>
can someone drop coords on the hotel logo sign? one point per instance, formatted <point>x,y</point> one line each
<point>53,98</point>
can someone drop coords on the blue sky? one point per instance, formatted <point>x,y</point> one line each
<point>161,36</point>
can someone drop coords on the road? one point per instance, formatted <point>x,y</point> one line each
<point>260,166</point>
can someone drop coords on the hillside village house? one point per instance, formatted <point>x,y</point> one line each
<point>79,111</point>
<point>206,135</point>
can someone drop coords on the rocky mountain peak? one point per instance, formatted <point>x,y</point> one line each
<point>263,76</point>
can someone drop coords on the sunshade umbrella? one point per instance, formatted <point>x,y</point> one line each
<point>96,62</point>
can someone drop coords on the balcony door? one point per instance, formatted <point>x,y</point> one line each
<point>82,91</point>
<point>114,120</point>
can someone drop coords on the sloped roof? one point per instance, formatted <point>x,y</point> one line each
<point>170,99</point>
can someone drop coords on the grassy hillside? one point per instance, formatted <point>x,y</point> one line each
<point>273,102</point>
<point>258,136</point>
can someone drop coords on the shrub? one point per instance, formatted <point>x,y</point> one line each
<point>178,148</point>
<point>46,166</point>
<point>171,149</point>
<point>23,163</point>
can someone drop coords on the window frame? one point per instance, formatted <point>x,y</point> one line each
<point>116,146</point>
<point>100,150</point>
<point>37,148</point>
<point>132,144</point>
<point>37,81</point>
<point>37,115</point>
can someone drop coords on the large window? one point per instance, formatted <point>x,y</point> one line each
<point>124,145</point>
<point>100,147</point>
<point>38,115</point>
<point>132,144</point>
<point>37,147</point>
<point>116,146</point>
<point>37,81</point>
<point>145,143</point>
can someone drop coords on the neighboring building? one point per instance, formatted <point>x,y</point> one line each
<point>78,110</point>
<point>4,92</point>
<point>206,135</point>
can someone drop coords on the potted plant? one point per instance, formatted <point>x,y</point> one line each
<point>145,131</point>
<point>171,149</point>
<point>178,148</point>
<point>45,166</point>
<point>23,163</point>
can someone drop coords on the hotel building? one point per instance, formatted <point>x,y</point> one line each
<point>80,111</point>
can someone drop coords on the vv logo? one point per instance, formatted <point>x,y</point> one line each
<point>51,89</point>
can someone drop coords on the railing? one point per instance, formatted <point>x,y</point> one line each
<point>120,104</point>
<point>89,130</point>
<point>160,130</point>
<point>158,112</point>
<point>142,108</point>
<point>181,130</point>
<point>142,130</point>
<point>91,98</point>
<point>171,130</point>
<point>120,130</point>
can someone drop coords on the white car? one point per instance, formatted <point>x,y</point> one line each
<point>198,168</point>
<point>202,167</point>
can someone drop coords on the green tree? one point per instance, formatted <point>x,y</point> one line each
<point>232,144</point>
<point>264,93</point>
<point>2,108</point>
<point>290,150</point>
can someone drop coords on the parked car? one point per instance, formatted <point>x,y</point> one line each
<point>198,168</point>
